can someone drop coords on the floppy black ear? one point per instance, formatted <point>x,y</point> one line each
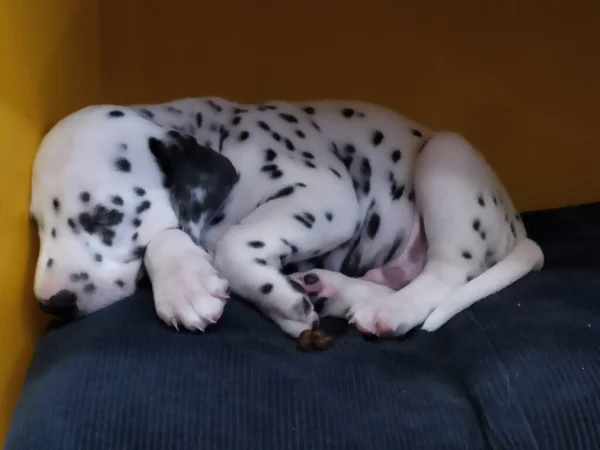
<point>198,178</point>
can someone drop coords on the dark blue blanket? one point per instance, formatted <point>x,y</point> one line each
<point>519,370</point>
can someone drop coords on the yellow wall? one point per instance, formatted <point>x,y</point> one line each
<point>49,65</point>
<point>522,82</point>
<point>520,78</point>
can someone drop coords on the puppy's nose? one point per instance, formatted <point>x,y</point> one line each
<point>62,305</point>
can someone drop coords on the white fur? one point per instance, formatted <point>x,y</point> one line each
<point>362,206</point>
<point>187,289</point>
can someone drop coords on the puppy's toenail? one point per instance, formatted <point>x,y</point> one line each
<point>297,286</point>
<point>311,278</point>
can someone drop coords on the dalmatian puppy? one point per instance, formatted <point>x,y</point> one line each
<point>323,208</point>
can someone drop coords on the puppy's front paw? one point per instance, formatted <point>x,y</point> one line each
<point>187,289</point>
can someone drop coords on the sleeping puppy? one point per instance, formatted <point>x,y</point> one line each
<point>346,204</point>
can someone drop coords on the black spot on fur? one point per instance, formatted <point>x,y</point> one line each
<point>53,233</point>
<point>329,216</point>
<point>373,225</point>
<point>513,230</point>
<point>144,206</point>
<point>267,108</point>
<point>335,172</point>
<point>347,161</point>
<point>49,263</point>
<point>256,244</point>
<point>120,283</point>
<point>140,192</point>
<point>79,276</point>
<point>411,195</point>
<point>476,224</point>
<point>174,110</point>
<point>288,117</point>
<point>377,138</point>
<point>306,219</point>
<point>467,255</point>
<point>266,288</point>
<point>308,155</point>
<point>396,191</point>
<point>482,235</point>
<point>276,136</point>
<point>122,165</point>
<point>100,219</point>
<point>72,224</point>
<point>396,155</point>
<point>107,237</point>
<point>117,200</point>
<point>89,288</point>
<point>366,187</point>
<point>300,134</point>
<point>138,252</point>
<point>199,119</point>
<point>243,136</point>
<point>347,112</point>
<point>309,164</point>
<point>56,204</point>
<point>263,125</point>
<point>146,113</point>
<point>480,200</point>
<point>84,197</point>
<point>365,168</point>
<point>116,113</point>
<point>273,171</point>
<point>309,110</point>
<point>236,120</point>
<point>214,106</point>
<point>416,132</point>
<point>98,257</point>
<point>260,261</point>
<point>136,222</point>
<point>291,246</point>
<point>134,236</point>
<point>284,192</point>
<point>217,219</point>
<point>289,145</point>
<point>315,125</point>
<point>350,149</point>
<point>270,155</point>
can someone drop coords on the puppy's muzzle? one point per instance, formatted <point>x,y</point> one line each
<point>62,305</point>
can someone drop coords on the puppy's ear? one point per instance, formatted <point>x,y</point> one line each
<point>198,178</point>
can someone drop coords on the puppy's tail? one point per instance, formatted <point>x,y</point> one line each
<point>527,256</point>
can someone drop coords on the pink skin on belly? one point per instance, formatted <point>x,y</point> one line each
<point>405,266</point>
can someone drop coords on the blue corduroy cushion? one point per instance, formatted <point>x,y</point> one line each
<point>519,370</point>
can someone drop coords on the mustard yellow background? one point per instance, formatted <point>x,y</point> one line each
<point>521,79</point>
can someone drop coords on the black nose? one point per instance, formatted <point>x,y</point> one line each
<point>62,305</point>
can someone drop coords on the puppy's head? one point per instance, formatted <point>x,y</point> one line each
<point>104,182</point>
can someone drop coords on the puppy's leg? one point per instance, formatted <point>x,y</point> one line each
<point>188,291</point>
<point>477,244</point>
<point>285,230</point>
<point>335,294</point>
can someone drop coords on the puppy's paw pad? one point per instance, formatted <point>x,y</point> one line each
<point>314,285</point>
